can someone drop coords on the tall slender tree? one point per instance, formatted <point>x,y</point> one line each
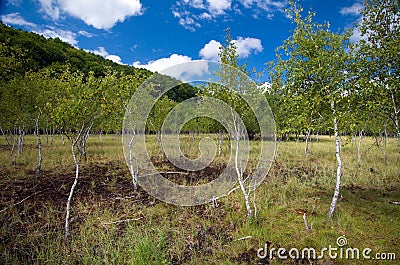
<point>312,67</point>
<point>379,51</point>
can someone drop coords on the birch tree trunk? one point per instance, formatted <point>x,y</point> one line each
<point>71,193</point>
<point>339,163</point>
<point>134,171</point>
<point>77,148</point>
<point>239,169</point>
<point>20,144</point>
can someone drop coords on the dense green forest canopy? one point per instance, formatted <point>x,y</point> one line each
<point>35,69</point>
<point>38,52</point>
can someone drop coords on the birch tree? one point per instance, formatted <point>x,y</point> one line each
<point>77,105</point>
<point>379,51</point>
<point>312,65</point>
<point>229,93</point>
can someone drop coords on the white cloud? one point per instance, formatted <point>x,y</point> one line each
<point>267,5</point>
<point>352,10</point>
<point>186,20</point>
<point>181,67</point>
<point>50,8</point>
<point>218,7</point>
<point>48,31</point>
<point>356,35</point>
<point>210,51</point>
<point>64,35</point>
<point>114,58</point>
<point>205,15</point>
<point>101,14</point>
<point>195,3</point>
<point>193,12</point>
<point>85,33</point>
<point>189,71</point>
<point>102,52</point>
<point>245,46</point>
<point>16,19</point>
<point>163,63</point>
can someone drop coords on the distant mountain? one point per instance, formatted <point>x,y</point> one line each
<point>32,52</point>
<point>22,51</point>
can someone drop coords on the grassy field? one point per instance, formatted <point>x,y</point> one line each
<point>113,224</point>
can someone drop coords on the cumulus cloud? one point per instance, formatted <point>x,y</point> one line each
<point>352,10</point>
<point>210,51</point>
<point>101,14</point>
<point>163,63</point>
<point>102,52</point>
<point>16,19</point>
<point>179,66</point>
<point>245,46</point>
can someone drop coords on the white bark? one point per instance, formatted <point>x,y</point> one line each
<point>134,171</point>
<point>20,143</point>
<point>77,143</point>
<point>239,169</point>
<point>71,193</point>
<point>339,163</point>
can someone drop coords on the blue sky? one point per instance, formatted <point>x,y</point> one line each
<point>158,34</point>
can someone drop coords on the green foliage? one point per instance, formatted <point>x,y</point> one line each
<point>378,67</point>
<point>39,52</point>
<point>233,83</point>
<point>311,72</point>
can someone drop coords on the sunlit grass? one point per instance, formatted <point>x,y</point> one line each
<point>156,233</point>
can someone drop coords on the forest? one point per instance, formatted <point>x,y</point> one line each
<point>70,194</point>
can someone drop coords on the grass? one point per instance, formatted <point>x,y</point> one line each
<point>112,224</point>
